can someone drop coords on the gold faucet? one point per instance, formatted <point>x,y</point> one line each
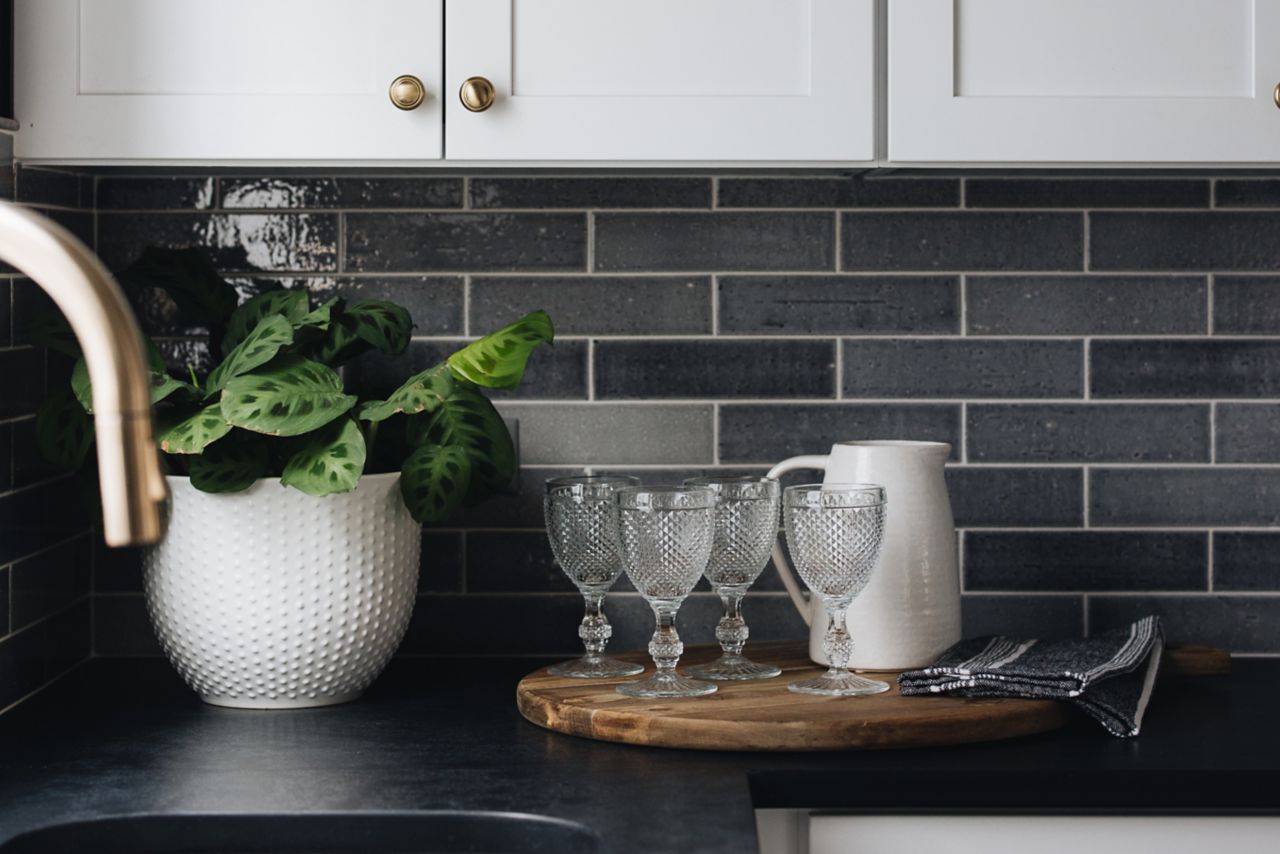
<point>133,488</point>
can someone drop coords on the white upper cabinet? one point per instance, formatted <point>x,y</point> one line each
<point>208,80</point>
<point>670,80</point>
<point>1083,81</point>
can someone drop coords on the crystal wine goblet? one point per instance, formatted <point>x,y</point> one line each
<point>664,537</point>
<point>746,527</point>
<point>581,527</point>
<point>834,531</point>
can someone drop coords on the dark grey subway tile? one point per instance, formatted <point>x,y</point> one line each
<point>6,313</point>
<point>434,302</point>
<point>299,242</point>
<point>1248,432</point>
<point>78,222</point>
<point>1084,561</point>
<point>513,562</point>
<point>768,433</point>
<point>50,581</point>
<point>654,242</point>
<point>40,653</point>
<point>1210,241</point>
<point>841,192</point>
<point>558,372</point>
<point>1086,193</point>
<point>675,368</point>
<point>990,497</point>
<point>839,305</point>
<point>1196,497</point>
<point>48,187</point>
<point>29,304</point>
<point>989,368</point>
<point>1186,369</point>
<point>22,381</point>
<point>141,193</point>
<point>590,192</point>
<point>4,604</point>
<point>517,507</point>
<point>1247,193</point>
<point>600,305</point>
<point>425,242</point>
<point>578,434</point>
<point>1089,433</point>
<point>40,516</point>
<point>115,570</point>
<point>1237,623</point>
<point>464,625</point>
<point>442,567</point>
<point>29,465</point>
<point>1022,616</point>
<point>121,627</point>
<point>6,457</point>
<point>1246,305</point>
<point>341,192</point>
<point>1246,561</point>
<point>1086,305</point>
<point>962,241</point>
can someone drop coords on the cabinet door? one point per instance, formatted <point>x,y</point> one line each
<point>1083,81</point>
<point>663,80</point>
<point>214,80</point>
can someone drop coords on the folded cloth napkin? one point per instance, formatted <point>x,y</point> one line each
<point>1109,675</point>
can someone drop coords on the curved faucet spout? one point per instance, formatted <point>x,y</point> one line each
<point>128,467</point>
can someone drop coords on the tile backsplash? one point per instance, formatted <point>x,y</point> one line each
<point>1101,351</point>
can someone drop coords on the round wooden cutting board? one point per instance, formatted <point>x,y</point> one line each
<point>764,715</point>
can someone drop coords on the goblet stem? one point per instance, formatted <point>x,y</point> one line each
<point>665,646</point>
<point>594,630</point>
<point>837,644</point>
<point>731,631</point>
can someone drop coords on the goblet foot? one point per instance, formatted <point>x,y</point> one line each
<point>839,683</point>
<point>595,667</point>
<point>667,683</point>
<point>733,668</point>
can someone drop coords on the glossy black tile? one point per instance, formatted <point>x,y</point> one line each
<point>6,456</point>
<point>1086,193</point>
<point>765,434</point>
<point>1022,616</point>
<point>604,305</point>
<point>961,241</point>
<point>29,465</point>
<point>29,303</point>
<point>691,242</point>
<point>1246,305</point>
<point>1247,193</point>
<point>340,192</point>
<point>288,242</point>
<point>513,562</point>
<point>1239,623</point>
<point>985,497</point>
<point>1172,497</point>
<point>1211,241</point>
<point>50,581</point>
<point>49,187</point>
<point>1248,432</point>
<point>604,192</point>
<point>121,627</point>
<point>426,242</point>
<point>1086,305</point>
<point>842,192</point>
<point>465,625</point>
<point>115,570</point>
<point>839,305</point>
<point>789,368</point>
<point>1184,369</point>
<point>22,381</point>
<point>144,193</point>
<point>992,368</point>
<point>33,657</point>
<point>6,313</point>
<point>442,566</point>
<point>1246,561</point>
<point>1084,561</point>
<point>4,602</point>
<point>1089,433</point>
<point>35,518</point>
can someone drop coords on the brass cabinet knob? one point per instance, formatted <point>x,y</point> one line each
<point>407,92</point>
<point>477,94</point>
<point>1275,95</point>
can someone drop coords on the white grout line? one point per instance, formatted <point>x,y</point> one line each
<point>591,241</point>
<point>715,305</point>
<point>1084,487</point>
<point>1209,564</point>
<point>715,434</point>
<point>1210,310</point>
<point>591,369</point>
<point>1213,431</point>
<point>839,369</point>
<point>964,305</point>
<point>1086,248</point>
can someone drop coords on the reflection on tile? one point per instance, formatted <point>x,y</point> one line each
<point>287,242</point>
<point>346,192</point>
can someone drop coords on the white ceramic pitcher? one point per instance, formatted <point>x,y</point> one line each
<point>910,611</point>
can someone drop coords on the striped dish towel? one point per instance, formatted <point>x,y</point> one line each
<point>1109,675</point>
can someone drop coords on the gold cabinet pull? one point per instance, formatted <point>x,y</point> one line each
<point>477,94</point>
<point>407,92</point>
<point>1275,94</point>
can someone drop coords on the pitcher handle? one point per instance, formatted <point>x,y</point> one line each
<point>817,462</point>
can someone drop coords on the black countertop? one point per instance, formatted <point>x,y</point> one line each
<point>121,737</point>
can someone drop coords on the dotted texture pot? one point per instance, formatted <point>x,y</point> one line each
<point>274,599</point>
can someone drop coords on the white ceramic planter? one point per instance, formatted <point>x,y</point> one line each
<point>274,599</point>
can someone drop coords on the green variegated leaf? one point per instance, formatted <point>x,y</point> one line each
<point>422,392</point>
<point>292,305</point>
<point>188,277</point>
<point>231,465</point>
<point>64,431</point>
<point>331,461</point>
<point>498,359</point>
<point>466,419</point>
<point>259,347</point>
<point>287,397</point>
<point>434,481</point>
<point>162,385</point>
<point>383,325</point>
<point>190,435</point>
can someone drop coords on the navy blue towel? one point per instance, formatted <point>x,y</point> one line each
<point>1109,675</point>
